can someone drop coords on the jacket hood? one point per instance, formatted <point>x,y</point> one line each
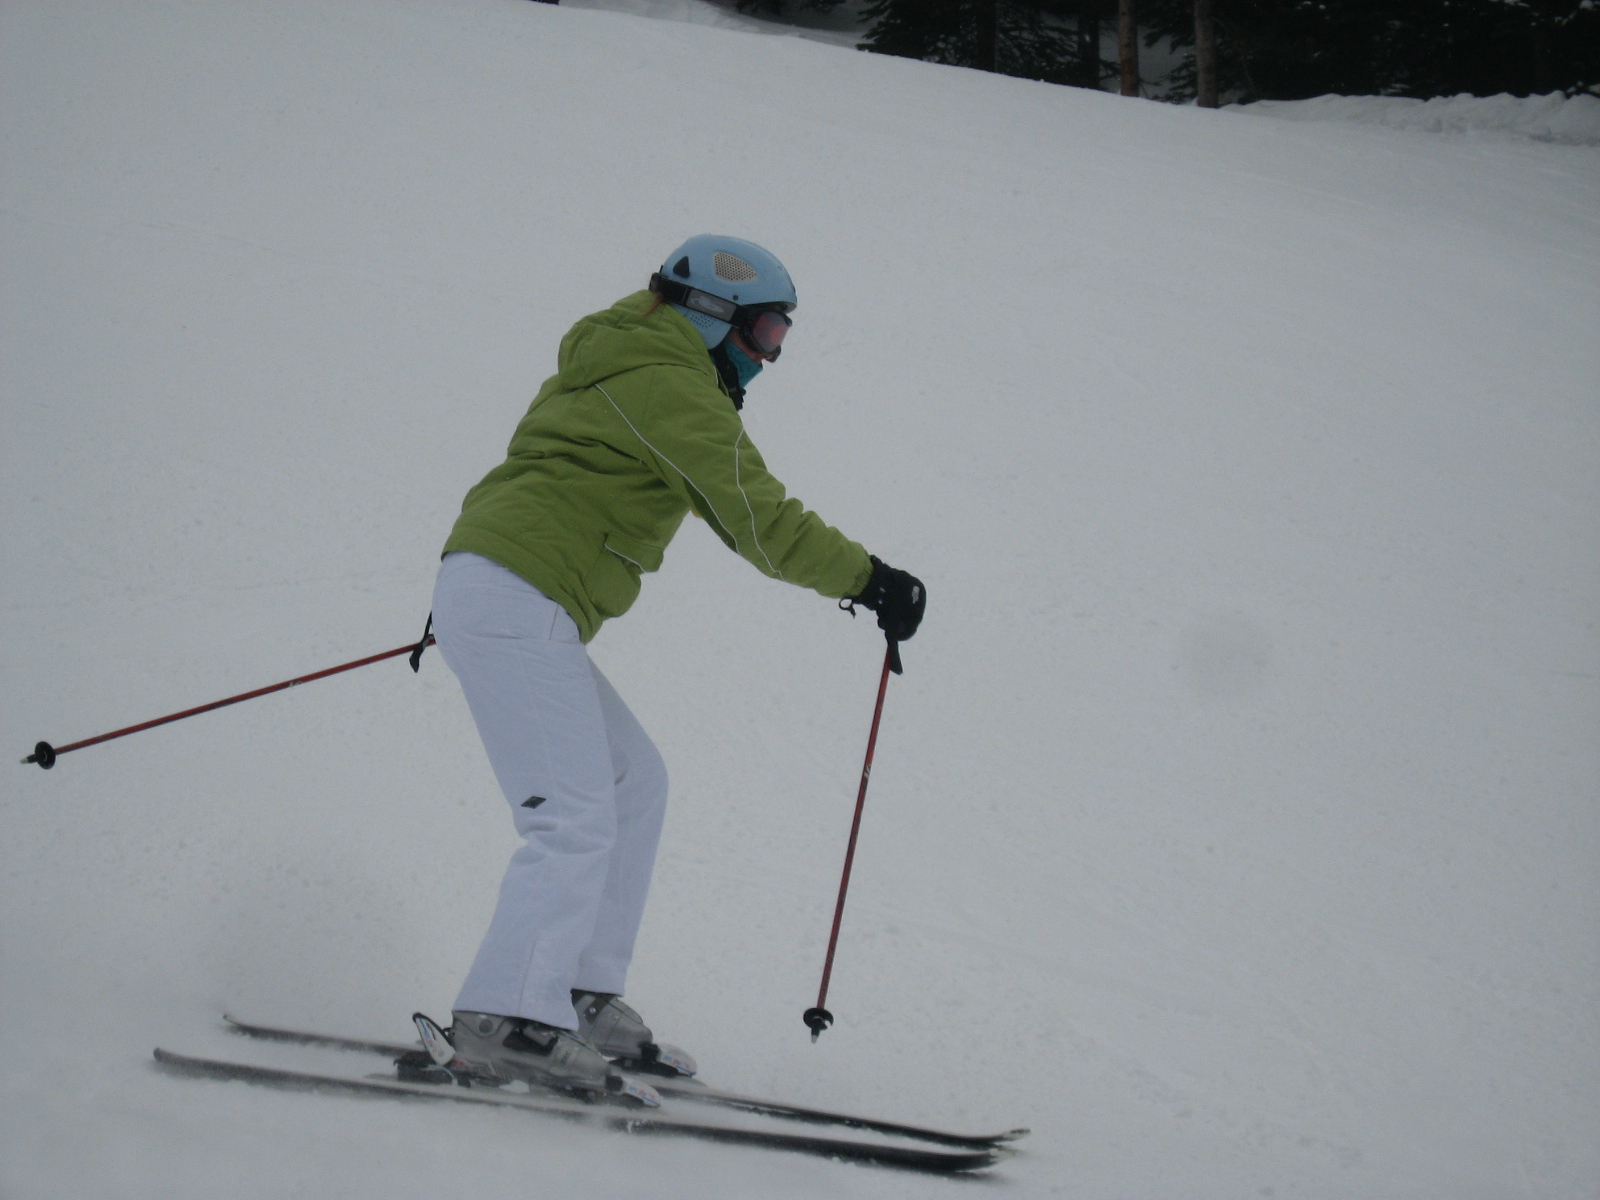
<point>637,331</point>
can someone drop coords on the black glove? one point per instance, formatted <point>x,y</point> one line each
<point>898,598</point>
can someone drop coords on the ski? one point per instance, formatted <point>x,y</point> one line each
<point>302,1037</point>
<point>688,1090</point>
<point>630,1121</point>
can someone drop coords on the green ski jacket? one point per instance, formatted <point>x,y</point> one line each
<point>632,432</point>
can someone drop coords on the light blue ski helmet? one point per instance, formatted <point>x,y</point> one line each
<point>734,270</point>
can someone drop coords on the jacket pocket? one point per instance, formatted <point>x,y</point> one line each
<point>641,554</point>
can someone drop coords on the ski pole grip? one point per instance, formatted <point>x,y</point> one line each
<point>44,754</point>
<point>894,657</point>
<point>427,640</point>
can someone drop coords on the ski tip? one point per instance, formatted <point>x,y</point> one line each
<point>1012,1135</point>
<point>249,1028</point>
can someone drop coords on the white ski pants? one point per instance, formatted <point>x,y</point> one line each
<point>586,786</point>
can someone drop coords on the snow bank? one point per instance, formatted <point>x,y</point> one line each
<point>1571,120</point>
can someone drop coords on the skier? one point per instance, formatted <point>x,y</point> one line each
<point>639,426</point>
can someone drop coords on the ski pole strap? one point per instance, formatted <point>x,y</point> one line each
<point>427,640</point>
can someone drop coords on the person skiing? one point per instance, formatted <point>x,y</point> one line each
<point>639,426</point>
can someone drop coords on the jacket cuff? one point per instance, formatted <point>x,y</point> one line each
<point>863,578</point>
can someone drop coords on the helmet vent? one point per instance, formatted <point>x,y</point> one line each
<point>732,268</point>
<point>681,267</point>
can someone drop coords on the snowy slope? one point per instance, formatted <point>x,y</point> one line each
<point>1233,824</point>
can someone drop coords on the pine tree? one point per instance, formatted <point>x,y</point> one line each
<point>1264,49</point>
<point>1027,38</point>
<point>1091,70</point>
<point>1293,49</point>
<point>784,8</point>
<point>1205,54</point>
<point>1128,47</point>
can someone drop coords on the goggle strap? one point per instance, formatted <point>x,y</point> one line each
<point>675,292</point>
<point>692,297</point>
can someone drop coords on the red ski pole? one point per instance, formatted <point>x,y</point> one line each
<point>45,754</point>
<point>819,1018</point>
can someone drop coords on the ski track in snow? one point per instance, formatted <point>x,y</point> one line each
<point>1233,825</point>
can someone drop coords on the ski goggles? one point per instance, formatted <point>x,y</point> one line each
<point>766,330</point>
<point>764,326</point>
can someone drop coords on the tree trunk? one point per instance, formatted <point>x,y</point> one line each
<point>1205,54</point>
<point>988,35</point>
<point>1539,36</point>
<point>1089,42</point>
<point>1128,46</point>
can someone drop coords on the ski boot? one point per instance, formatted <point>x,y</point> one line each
<point>502,1049</point>
<point>620,1033</point>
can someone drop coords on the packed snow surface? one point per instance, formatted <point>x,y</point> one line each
<point>1234,823</point>
<point>1554,118</point>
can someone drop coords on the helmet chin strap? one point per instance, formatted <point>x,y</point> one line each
<point>728,373</point>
